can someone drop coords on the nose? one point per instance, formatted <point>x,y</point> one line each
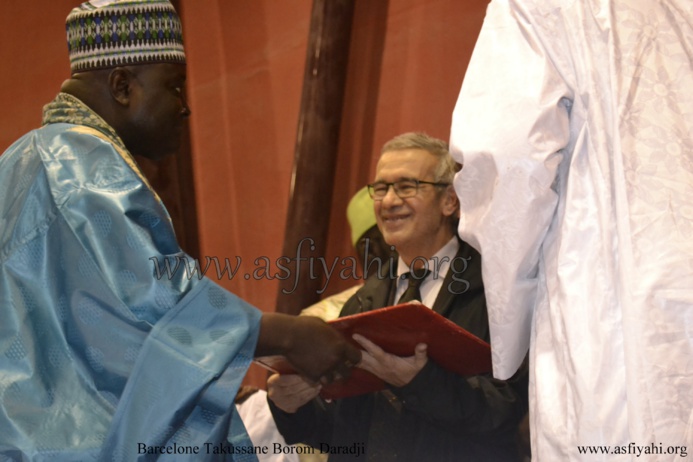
<point>391,198</point>
<point>185,109</point>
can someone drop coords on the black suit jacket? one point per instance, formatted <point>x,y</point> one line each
<point>438,416</point>
<point>461,298</point>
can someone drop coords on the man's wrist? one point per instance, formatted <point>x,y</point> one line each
<point>277,334</point>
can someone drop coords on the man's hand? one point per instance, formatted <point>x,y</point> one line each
<point>392,369</point>
<point>290,392</point>
<point>316,350</point>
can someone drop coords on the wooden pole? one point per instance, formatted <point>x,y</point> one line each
<point>316,151</point>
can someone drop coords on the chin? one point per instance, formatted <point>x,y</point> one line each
<point>392,240</point>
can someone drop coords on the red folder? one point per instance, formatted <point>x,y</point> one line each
<point>397,330</point>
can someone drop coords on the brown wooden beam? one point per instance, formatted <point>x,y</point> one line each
<point>316,152</point>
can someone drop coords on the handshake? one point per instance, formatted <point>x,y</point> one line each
<point>316,350</point>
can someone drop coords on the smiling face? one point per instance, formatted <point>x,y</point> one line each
<point>157,110</point>
<point>417,226</point>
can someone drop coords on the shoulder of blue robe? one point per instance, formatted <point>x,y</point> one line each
<point>99,353</point>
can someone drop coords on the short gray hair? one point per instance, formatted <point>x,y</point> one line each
<point>447,167</point>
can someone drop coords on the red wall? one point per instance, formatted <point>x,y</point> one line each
<point>34,62</point>
<point>244,80</point>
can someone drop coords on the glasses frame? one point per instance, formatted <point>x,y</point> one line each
<point>418,183</point>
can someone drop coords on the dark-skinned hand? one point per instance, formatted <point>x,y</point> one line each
<point>316,350</point>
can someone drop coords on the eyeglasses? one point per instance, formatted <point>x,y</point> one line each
<point>403,188</point>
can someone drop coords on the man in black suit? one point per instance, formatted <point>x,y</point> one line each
<point>426,413</point>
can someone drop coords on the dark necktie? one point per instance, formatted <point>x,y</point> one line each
<point>384,443</point>
<point>414,280</point>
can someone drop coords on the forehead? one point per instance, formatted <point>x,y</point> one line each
<point>163,72</point>
<point>407,163</point>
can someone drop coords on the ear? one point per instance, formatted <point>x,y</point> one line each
<point>120,81</point>
<point>450,203</point>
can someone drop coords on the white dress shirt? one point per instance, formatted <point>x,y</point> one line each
<point>439,265</point>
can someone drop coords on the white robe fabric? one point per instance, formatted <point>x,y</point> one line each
<point>575,128</point>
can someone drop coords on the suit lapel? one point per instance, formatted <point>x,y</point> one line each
<point>445,296</point>
<point>452,288</point>
<point>376,294</point>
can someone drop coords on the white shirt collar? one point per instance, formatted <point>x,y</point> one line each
<point>438,264</point>
<point>437,261</point>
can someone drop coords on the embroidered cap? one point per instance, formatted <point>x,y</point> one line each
<point>107,33</point>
